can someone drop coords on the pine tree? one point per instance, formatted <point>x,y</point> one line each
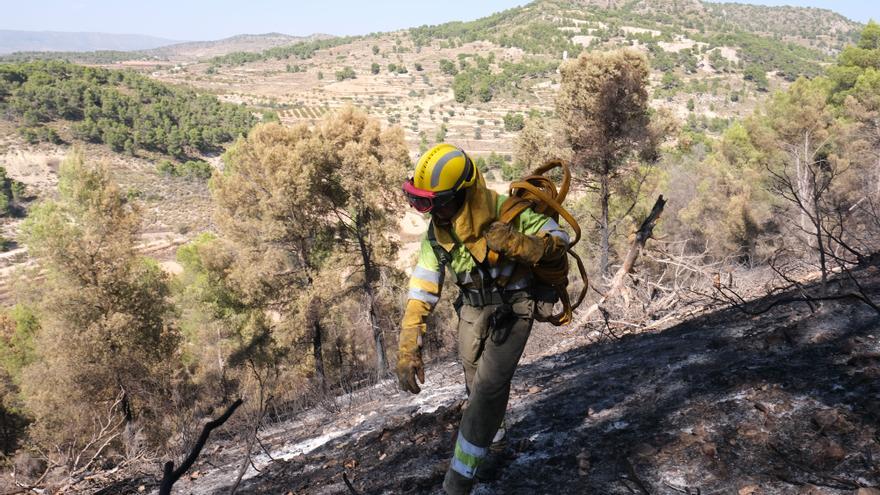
<point>603,106</point>
<point>104,332</point>
<point>296,202</point>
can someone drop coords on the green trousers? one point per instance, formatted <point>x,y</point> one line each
<point>491,340</point>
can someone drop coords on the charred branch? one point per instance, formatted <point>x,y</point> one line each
<point>171,475</point>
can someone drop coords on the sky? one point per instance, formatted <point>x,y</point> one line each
<point>215,19</point>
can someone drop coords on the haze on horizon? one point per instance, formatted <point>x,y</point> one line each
<point>203,20</point>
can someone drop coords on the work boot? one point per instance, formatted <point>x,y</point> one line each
<point>456,484</point>
<point>497,457</point>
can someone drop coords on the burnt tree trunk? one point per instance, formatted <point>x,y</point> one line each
<point>646,230</point>
<point>369,279</point>
<point>314,323</point>
<point>605,195</point>
<point>820,245</point>
<point>171,475</point>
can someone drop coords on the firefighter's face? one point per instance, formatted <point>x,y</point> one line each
<point>444,214</point>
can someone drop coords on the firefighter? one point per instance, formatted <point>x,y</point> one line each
<point>496,301</point>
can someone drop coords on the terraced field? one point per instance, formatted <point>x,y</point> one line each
<point>303,112</point>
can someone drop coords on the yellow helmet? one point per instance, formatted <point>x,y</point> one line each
<point>444,168</point>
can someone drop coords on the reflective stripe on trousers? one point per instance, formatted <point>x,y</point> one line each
<point>467,457</point>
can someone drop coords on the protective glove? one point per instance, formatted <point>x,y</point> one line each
<point>409,358</point>
<point>503,238</point>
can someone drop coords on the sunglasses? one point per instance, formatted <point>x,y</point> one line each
<point>425,201</point>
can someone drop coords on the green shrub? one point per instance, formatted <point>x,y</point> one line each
<point>195,169</point>
<point>481,164</point>
<point>448,67</point>
<point>512,171</point>
<point>166,167</point>
<point>514,122</point>
<point>192,169</point>
<point>441,134</point>
<point>346,73</point>
<point>10,191</point>
<point>37,134</point>
<point>18,349</point>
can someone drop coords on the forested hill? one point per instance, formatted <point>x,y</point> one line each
<point>125,110</point>
<point>238,43</point>
<point>733,52</point>
<point>800,24</point>
<point>781,38</point>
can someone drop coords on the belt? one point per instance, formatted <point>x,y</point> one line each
<point>480,298</point>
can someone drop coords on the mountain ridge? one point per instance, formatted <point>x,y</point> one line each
<point>12,40</point>
<point>245,42</point>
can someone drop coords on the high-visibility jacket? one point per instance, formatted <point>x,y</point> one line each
<point>463,250</point>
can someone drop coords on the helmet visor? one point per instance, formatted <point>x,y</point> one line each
<point>425,201</point>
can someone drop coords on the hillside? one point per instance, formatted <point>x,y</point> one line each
<point>462,81</point>
<point>820,28</point>
<point>779,403</point>
<point>240,43</point>
<point>157,52</point>
<point>712,63</point>
<point>162,143</point>
<point>54,41</point>
<point>124,110</point>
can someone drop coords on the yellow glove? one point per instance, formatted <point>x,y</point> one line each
<point>409,353</point>
<point>503,238</point>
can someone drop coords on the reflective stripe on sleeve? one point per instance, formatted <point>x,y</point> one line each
<point>426,280</point>
<point>429,287</point>
<point>422,295</point>
<point>428,275</point>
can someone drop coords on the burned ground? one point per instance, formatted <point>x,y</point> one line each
<point>784,402</point>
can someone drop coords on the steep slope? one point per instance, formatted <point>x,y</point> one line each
<point>721,404</point>
<point>783,402</point>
